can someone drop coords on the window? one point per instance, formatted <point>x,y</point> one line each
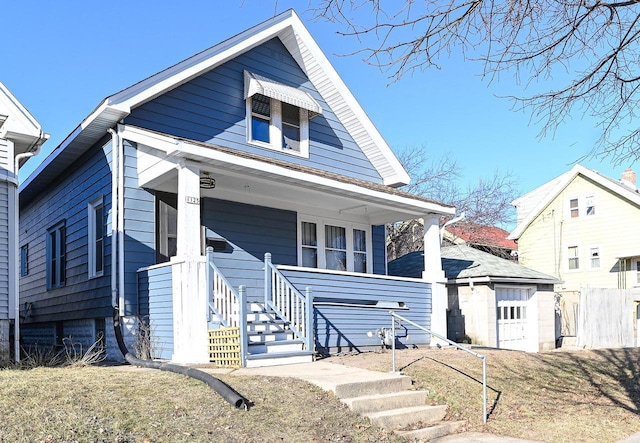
<point>24,260</point>
<point>582,206</point>
<point>638,272</point>
<point>167,226</point>
<point>278,115</point>
<point>594,255</point>
<point>573,208</point>
<point>309,245</point>
<point>573,257</point>
<point>56,259</point>
<point>591,205</point>
<point>359,250</point>
<point>96,238</point>
<point>335,246</point>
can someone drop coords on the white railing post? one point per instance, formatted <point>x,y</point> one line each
<point>209,277</point>
<point>393,343</point>
<point>309,318</point>
<point>267,280</point>
<point>242,323</point>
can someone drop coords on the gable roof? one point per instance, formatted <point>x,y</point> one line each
<point>296,38</point>
<point>462,263</point>
<point>533,203</point>
<point>17,124</point>
<point>474,233</point>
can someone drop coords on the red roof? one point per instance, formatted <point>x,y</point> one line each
<point>482,235</point>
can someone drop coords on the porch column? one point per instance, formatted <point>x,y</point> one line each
<point>434,274</point>
<point>189,282</point>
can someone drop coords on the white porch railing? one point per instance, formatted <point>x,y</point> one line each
<point>283,298</point>
<point>229,305</point>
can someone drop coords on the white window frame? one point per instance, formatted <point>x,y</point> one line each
<point>590,250</point>
<point>320,234</point>
<point>92,237</point>
<point>275,129</point>
<point>637,265</point>
<point>583,206</point>
<point>579,268</point>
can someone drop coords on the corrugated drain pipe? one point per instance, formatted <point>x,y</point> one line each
<point>224,390</point>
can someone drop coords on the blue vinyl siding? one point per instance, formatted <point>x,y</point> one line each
<point>251,232</point>
<point>139,228</point>
<point>156,303</point>
<point>340,326</point>
<point>211,108</point>
<point>66,199</point>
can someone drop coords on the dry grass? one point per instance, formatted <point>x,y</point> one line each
<point>579,396</point>
<point>106,404</point>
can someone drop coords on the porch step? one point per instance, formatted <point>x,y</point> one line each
<point>398,418</point>
<point>266,326</point>
<point>269,337</point>
<point>272,347</point>
<point>382,402</point>
<point>430,432</point>
<point>278,358</point>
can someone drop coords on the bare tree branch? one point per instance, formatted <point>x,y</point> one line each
<point>594,45</point>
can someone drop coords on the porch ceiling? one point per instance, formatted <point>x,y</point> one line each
<point>263,181</point>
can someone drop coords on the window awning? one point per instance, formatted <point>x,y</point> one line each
<point>257,84</point>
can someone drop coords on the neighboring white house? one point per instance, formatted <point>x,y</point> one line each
<point>20,138</point>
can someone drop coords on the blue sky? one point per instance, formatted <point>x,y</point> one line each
<point>62,58</point>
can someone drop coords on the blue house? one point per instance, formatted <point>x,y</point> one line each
<point>242,187</point>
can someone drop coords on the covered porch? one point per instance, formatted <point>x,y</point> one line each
<point>341,299</point>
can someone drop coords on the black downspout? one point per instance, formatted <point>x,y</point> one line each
<point>224,390</point>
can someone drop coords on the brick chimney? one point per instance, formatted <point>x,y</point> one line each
<point>629,178</point>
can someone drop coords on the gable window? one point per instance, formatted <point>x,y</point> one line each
<point>56,257</point>
<point>334,246</point>
<point>573,208</point>
<point>96,238</point>
<point>574,262</point>
<point>594,256</point>
<point>278,115</point>
<point>590,205</point>
<point>24,260</point>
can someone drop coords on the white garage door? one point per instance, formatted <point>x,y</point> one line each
<point>514,317</point>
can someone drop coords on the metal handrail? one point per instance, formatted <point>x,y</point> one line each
<point>395,316</point>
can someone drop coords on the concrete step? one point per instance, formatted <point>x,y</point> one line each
<point>389,384</point>
<point>275,359</point>
<point>399,418</point>
<point>279,346</point>
<point>265,336</point>
<point>384,402</point>
<point>429,433</point>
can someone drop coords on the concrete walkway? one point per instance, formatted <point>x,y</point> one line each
<point>330,377</point>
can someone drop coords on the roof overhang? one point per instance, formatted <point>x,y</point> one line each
<point>18,125</point>
<point>291,31</point>
<point>263,180</point>
<point>509,280</point>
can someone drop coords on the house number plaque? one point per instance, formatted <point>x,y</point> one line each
<point>193,200</point>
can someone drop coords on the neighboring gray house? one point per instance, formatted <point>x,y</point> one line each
<point>20,138</point>
<point>254,148</point>
<point>492,301</point>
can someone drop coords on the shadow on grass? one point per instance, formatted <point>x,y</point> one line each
<point>497,392</point>
<point>614,373</point>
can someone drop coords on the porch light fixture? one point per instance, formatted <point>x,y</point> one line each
<point>207,182</point>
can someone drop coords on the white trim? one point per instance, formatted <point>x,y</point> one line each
<point>178,148</point>
<point>92,237</point>
<point>358,274</point>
